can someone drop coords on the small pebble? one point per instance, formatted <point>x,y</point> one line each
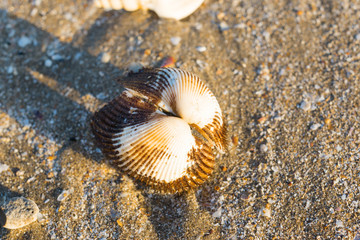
<point>224,26</point>
<point>40,217</point>
<point>48,63</point>
<point>266,211</point>
<point>10,69</point>
<point>315,126</point>
<point>33,12</point>
<point>175,40</point>
<point>105,57</point>
<point>19,173</point>
<point>101,96</point>
<point>18,212</point>
<point>37,2</point>
<point>63,195</point>
<point>245,196</point>
<point>263,148</point>
<point>135,67</point>
<point>338,148</point>
<point>263,119</point>
<point>201,48</point>
<point>3,167</point>
<point>57,57</point>
<point>339,224</point>
<point>305,105</point>
<point>24,41</point>
<point>357,37</point>
<point>217,213</point>
<point>282,71</point>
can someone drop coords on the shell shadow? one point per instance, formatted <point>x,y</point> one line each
<point>42,97</point>
<point>170,214</point>
<point>167,215</point>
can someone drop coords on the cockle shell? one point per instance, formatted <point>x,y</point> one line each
<point>176,9</point>
<point>162,129</point>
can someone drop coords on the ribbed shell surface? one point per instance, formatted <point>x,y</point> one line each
<point>147,130</point>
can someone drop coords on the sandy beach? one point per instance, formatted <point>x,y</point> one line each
<point>286,75</point>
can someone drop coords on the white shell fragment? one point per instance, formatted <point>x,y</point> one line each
<point>148,131</point>
<point>175,9</point>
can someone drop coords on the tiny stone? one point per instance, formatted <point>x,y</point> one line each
<point>245,196</point>
<point>57,57</point>
<point>357,37</point>
<point>63,195</point>
<point>37,2</point>
<point>30,180</point>
<point>135,67</point>
<point>20,173</point>
<point>282,71</point>
<point>3,167</point>
<point>77,56</point>
<point>40,217</point>
<point>68,16</point>
<point>224,26</point>
<point>305,105</point>
<point>315,126</point>
<point>10,69</point>
<point>33,12</point>
<point>339,224</point>
<point>19,212</point>
<point>263,148</point>
<point>217,214</point>
<point>105,57</point>
<point>266,211</point>
<point>198,26</point>
<point>48,63</point>
<point>24,41</point>
<point>201,48</point>
<point>175,40</point>
<point>101,96</point>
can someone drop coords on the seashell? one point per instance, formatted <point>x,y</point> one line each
<point>176,9</point>
<point>162,129</point>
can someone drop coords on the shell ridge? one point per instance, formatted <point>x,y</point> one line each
<point>138,131</point>
<point>144,128</point>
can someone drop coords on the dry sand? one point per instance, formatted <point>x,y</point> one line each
<point>286,74</point>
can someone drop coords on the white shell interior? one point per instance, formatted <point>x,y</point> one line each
<point>194,101</point>
<point>164,141</point>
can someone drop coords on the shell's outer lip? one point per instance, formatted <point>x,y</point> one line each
<point>147,134</point>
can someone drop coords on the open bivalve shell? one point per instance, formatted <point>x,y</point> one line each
<point>162,129</point>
